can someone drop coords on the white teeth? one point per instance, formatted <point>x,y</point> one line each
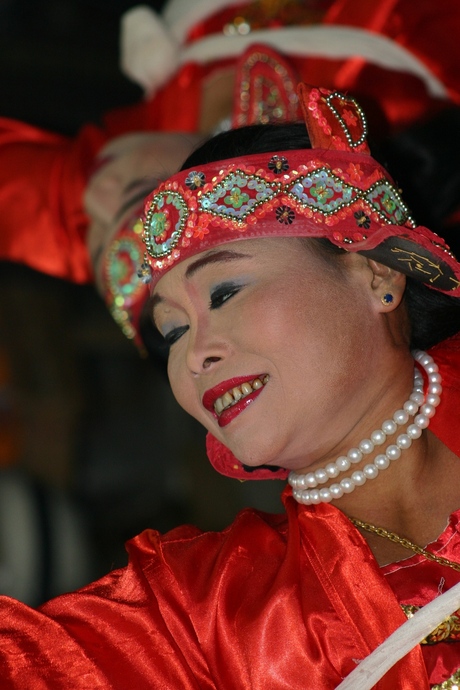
<point>235,394</point>
<point>227,399</point>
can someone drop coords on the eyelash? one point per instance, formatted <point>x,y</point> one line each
<point>218,297</point>
<point>222,294</point>
<point>175,334</point>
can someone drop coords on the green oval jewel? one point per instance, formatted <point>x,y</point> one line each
<point>158,224</point>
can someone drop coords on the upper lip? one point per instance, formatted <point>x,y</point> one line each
<point>211,395</point>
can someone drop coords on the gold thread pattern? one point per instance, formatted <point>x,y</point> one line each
<point>447,631</point>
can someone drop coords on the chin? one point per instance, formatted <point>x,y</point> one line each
<point>255,457</point>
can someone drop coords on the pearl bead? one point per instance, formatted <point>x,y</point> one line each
<point>366,446</point>
<point>410,406</point>
<point>436,388</point>
<point>432,368</point>
<point>433,399</point>
<point>428,410</point>
<point>315,496</point>
<point>355,455</point>
<point>401,417</point>
<point>403,441</point>
<point>336,491</point>
<point>423,358</point>
<point>378,437</point>
<point>421,420</point>
<point>304,498</point>
<point>381,462</point>
<point>358,478</point>
<point>435,378</point>
<point>310,480</point>
<point>370,471</point>
<point>347,485</point>
<point>332,470</point>
<point>343,463</point>
<point>389,427</point>
<point>393,452</point>
<point>413,431</point>
<point>325,495</point>
<point>321,476</point>
<point>417,398</point>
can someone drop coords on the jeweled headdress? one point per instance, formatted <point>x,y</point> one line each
<point>334,190</point>
<point>123,289</point>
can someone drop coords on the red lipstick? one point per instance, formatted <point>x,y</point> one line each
<point>226,416</point>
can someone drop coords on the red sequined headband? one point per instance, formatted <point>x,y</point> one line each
<point>334,190</point>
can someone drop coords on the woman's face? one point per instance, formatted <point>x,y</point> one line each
<point>273,312</point>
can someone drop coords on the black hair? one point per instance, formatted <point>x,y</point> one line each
<point>424,161</point>
<point>433,315</point>
<point>248,140</point>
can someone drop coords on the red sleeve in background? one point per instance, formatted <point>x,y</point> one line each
<point>42,179</point>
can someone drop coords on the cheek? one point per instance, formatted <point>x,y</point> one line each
<point>182,387</point>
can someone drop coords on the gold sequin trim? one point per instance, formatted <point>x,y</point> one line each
<point>447,631</point>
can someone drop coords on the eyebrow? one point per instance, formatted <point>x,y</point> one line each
<point>144,191</point>
<point>213,258</point>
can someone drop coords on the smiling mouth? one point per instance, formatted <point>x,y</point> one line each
<point>237,393</point>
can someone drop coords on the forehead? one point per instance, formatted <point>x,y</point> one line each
<point>270,253</point>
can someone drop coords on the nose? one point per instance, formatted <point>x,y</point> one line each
<point>206,349</point>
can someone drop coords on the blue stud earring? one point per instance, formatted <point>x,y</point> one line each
<point>387,298</point>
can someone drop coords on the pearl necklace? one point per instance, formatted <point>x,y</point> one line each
<point>421,407</point>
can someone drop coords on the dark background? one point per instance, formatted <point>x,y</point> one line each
<point>59,61</point>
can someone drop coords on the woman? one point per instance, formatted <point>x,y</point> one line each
<point>294,352</point>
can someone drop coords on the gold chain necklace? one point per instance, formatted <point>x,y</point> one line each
<point>392,536</point>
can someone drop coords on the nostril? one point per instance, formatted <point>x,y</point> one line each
<point>209,360</point>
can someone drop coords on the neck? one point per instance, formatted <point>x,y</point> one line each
<point>356,478</point>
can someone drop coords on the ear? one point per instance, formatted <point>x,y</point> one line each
<point>387,286</point>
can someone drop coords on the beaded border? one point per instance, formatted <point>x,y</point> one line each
<point>347,99</point>
<point>121,297</point>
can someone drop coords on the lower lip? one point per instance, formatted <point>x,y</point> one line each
<point>231,412</point>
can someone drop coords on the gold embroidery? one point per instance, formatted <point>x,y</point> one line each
<point>447,631</point>
<point>416,262</point>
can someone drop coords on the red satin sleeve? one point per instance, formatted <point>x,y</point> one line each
<point>42,178</point>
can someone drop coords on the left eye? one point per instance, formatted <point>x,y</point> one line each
<point>222,294</point>
<point>174,335</point>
